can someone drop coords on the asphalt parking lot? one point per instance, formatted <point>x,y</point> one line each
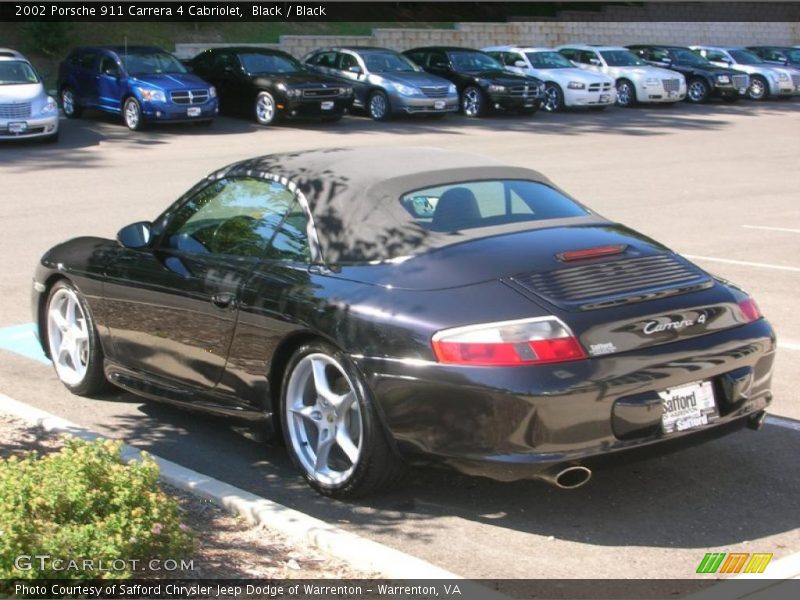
<point>718,183</point>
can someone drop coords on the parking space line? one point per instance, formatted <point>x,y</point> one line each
<point>21,339</point>
<point>786,229</point>
<point>744,263</point>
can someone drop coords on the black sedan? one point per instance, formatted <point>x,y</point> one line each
<point>268,84</point>
<point>703,78</point>
<point>483,84</point>
<point>384,307</point>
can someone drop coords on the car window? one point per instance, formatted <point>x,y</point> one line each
<point>257,62</point>
<point>438,59</point>
<point>324,59</point>
<point>569,53</point>
<point>585,57</point>
<point>470,205</point>
<point>473,62</point>
<point>235,217</point>
<point>745,57</point>
<point>290,242</point>
<point>621,58</point>
<point>716,55</point>
<point>108,65</point>
<point>386,61</point>
<point>13,72</point>
<point>151,63</point>
<point>346,61</point>
<point>83,60</point>
<point>549,60</point>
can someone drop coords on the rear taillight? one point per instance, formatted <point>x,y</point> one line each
<point>508,343</point>
<point>750,310</point>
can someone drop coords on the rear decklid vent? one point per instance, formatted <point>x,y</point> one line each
<point>604,283</point>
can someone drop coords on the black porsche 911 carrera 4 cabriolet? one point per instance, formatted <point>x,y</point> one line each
<point>382,307</point>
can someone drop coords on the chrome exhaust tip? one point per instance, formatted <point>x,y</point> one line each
<point>568,478</point>
<point>756,421</point>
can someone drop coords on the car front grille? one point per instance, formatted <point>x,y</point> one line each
<point>671,85</point>
<point>740,81</point>
<point>189,96</point>
<point>523,91</point>
<point>439,91</point>
<point>596,87</point>
<point>613,282</point>
<point>15,111</point>
<point>315,93</point>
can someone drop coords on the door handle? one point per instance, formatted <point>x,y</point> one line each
<point>224,300</point>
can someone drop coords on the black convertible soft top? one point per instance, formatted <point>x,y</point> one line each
<point>354,196</point>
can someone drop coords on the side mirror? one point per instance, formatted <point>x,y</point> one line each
<point>667,61</point>
<point>135,235</point>
<point>595,61</point>
<point>442,65</point>
<point>355,69</point>
<point>521,64</point>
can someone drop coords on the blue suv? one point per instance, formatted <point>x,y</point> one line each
<point>144,84</point>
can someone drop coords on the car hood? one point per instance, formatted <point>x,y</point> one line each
<point>644,72</point>
<point>413,79</point>
<point>711,69</point>
<point>301,79</point>
<point>172,81</point>
<point>27,92</point>
<point>576,74</point>
<point>502,77</point>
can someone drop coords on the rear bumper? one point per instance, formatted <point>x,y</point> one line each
<point>515,422</point>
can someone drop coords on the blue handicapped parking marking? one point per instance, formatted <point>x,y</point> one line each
<point>21,339</point>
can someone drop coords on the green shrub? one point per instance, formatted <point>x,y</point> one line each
<point>84,502</point>
<point>51,38</point>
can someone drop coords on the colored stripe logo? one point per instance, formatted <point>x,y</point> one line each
<point>735,562</point>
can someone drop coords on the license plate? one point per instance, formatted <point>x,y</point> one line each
<point>742,91</point>
<point>438,104</point>
<point>605,98</point>
<point>528,104</point>
<point>688,406</point>
<point>672,94</point>
<point>17,127</point>
<point>194,111</point>
<point>328,105</point>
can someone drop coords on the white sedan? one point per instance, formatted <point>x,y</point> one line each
<point>565,84</point>
<point>637,81</point>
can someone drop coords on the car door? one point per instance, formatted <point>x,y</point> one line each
<point>352,70</point>
<point>717,57</point>
<point>172,307</point>
<point>86,77</point>
<point>109,81</point>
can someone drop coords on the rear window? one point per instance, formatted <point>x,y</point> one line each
<point>488,203</point>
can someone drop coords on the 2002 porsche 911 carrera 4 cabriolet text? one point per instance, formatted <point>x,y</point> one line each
<point>384,307</point>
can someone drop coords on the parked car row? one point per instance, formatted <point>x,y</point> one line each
<point>146,84</point>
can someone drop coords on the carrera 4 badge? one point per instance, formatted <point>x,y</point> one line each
<point>659,325</point>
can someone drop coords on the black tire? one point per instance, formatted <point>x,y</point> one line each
<point>378,106</point>
<point>377,466</point>
<point>93,380</point>
<point>553,97</point>
<point>758,89</point>
<point>132,114</point>
<point>697,91</point>
<point>69,103</point>
<point>626,93</point>
<point>265,109</point>
<point>473,102</point>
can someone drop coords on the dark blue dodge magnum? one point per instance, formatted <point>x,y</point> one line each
<point>143,84</point>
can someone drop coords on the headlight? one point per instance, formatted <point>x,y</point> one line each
<point>494,88</point>
<point>405,90</point>
<point>781,77</point>
<point>576,85</point>
<point>294,92</point>
<point>651,81</point>
<point>49,106</point>
<point>346,91</point>
<point>151,95</point>
<point>452,89</point>
<point>723,79</point>
<point>212,91</point>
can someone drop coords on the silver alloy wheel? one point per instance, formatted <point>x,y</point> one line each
<point>472,102</point>
<point>552,102</point>
<point>68,336</point>
<point>757,89</point>
<point>324,419</point>
<point>68,102</point>
<point>265,108</point>
<point>377,106</point>
<point>624,94</point>
<point>697,91</point>
<point>132,114</point>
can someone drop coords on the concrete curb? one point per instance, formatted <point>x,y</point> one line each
<point>361,553</point>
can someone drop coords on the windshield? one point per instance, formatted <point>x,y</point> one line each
<point>487,203</point>
<point>687,57</point>
<point>548,60</point>
<point>152,63</point>
<point>15,72</point>
<point>474,61</point>
<point>621,58</point>
<point>743,57</point>
<point>793,55</point>
<point>269,63</point>
<point>388,62</point>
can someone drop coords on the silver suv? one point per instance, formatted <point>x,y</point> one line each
<point>26,111</point>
